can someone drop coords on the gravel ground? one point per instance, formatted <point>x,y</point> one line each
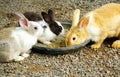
<point>102,62</point>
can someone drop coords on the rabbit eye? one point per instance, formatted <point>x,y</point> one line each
<point>74,38</point>
<point>44,26</point>
<point>35,28</point>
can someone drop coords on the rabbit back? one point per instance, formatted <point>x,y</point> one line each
<point>107,19</point>
<point>6,47</point>
<point>6,33</point>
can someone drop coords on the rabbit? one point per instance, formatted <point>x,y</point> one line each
<point>96,26</point>
<point>16,42</point>
<point>52,28</point>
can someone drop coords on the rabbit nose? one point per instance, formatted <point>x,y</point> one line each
<point>60,28</point>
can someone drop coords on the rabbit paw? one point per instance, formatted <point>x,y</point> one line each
<point>18,58</point>
<point>116,44</point>
<point>95,46</point>
<point>47,42</point>
<point>25,55</point>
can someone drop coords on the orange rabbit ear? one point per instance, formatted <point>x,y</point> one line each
<point>84,22</point>
<point>75,17</point>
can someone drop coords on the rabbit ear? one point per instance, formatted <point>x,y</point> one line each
<point>51,13</point>
<point>19,15</point>
<point>84,22</point>
<point>46,17</point>
<point>75,19</point>
<point>23,21</point>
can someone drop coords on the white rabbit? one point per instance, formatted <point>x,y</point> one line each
<point>16,42</point>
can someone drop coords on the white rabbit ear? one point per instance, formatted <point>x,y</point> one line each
<point>75,18</point>
<point>19,15</point>
<point>23,21</point>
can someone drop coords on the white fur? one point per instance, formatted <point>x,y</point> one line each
<point>27,40</point>
<point>40,30</point>
<point>63,31</point>
<point>92,29</point>
<point>48,35</point>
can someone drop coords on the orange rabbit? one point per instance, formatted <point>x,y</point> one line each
<point>96,25</point>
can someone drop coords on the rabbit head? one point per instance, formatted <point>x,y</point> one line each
<point>54,26</point>
<point>77,33</point>
<point>30,26</point>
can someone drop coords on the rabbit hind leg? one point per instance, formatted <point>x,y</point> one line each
<point>25,55</point>
<point>116,44</point>
<point>19,58</point>
<point>5,52</point>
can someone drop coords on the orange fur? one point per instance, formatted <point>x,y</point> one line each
<point>75,18</point>
<point>104,17</point>
<point>99,24</point>
<point>83,22</point>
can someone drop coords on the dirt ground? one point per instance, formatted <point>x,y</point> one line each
<point>87,62</point>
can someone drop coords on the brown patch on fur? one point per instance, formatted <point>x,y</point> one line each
<point>31,16</point>
<point>6,33</point>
